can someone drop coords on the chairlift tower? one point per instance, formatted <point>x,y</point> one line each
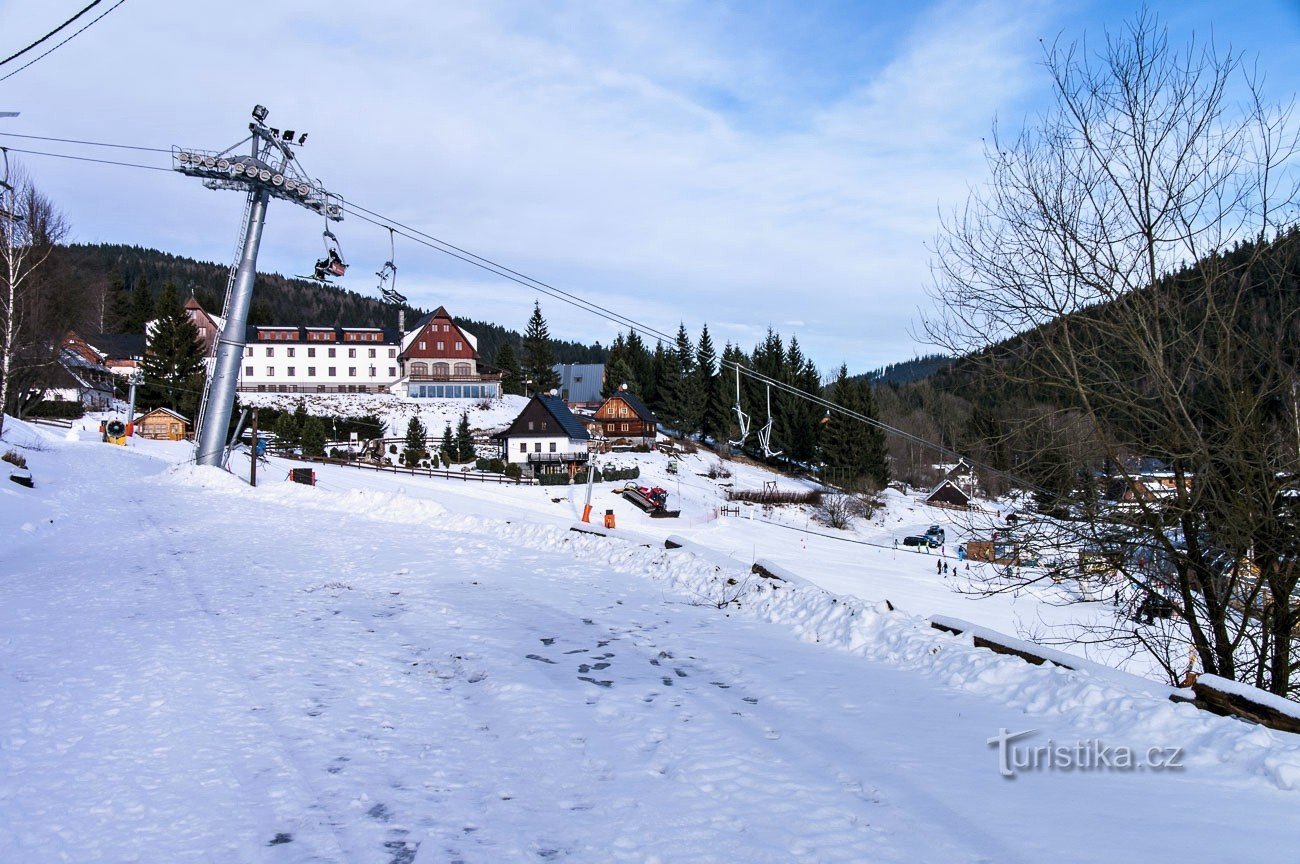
<point>270,171</point>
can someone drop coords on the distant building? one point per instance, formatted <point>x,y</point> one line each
<point>79,376</point>
<point>545,438</point>
<point>581,383</point>
<point>163,424</point>
<point>439,360</point>
<point>948,494</point>
<point>292,359</point>
<point>623,420</point>
<point>122,352</point>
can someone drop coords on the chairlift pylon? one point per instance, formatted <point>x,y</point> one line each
<point>742,419</point>
<point>765,434</point>
<point>388,289</point>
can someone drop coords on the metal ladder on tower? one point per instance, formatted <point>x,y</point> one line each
<point>225,308</point>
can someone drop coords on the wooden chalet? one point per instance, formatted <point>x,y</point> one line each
<point>948,494</point>
<point>545,438</point>
<point>162,424</point>
<point>623,420</point>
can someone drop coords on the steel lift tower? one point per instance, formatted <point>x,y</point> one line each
<point>271,171</point>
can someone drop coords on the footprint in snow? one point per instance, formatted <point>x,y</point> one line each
<point>539,657</point>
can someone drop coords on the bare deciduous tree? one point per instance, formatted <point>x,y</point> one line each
<point>1133,263</point>
<point>31,312</point>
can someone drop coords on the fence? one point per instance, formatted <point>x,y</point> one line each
<point>466,476</point>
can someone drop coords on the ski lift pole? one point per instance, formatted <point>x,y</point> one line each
<point>591,479</point>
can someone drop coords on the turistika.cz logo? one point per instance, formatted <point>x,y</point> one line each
<point>1092,755</point>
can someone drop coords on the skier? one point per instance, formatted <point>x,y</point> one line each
<point>938,567</point>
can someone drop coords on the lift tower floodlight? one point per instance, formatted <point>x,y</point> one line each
<point>270,172</point>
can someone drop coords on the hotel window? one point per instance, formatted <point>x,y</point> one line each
<point>290,350</point>
<point>352,371</point>
<point>552,446</point>
<point>290,371</point>
<point>421,344</point>
<point>333,371</point>
<point>248,352</point>
<point>523,448</point>
<point>537,447</point>
<point>372,371</point>
<point>352,352</point>
<point>311,371</point>
<point>439,348</point>
<point>372,352</point>
<point>332,354</point>
<point>248,370</point>
<point>311,352</point>
<point>270,371</point>
<point>392,371</point>
<point>270,352</point>
<point>459,345</point>
<point>392,352</point>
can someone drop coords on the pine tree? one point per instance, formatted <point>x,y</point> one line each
<point>512,379</point>
<point>690,401</point>
<point>447,447</point>
<point>286,431</point>
<point>174,357</point>
<point>464,443</point>
<point>855,449</point>
<point>655,386</point>
<point>313,437</point>
<point>713,411</point>
<point>617,370</point>
<point>538,356</point>
<point>640,363</point>
<point>415,441</point>
<point>141,308</point>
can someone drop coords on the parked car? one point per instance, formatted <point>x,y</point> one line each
<point>918,540</point>
<point>936,535</point>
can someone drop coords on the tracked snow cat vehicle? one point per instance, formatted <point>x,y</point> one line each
<point>651,499</point>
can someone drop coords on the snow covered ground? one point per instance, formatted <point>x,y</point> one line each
<point>396,669</point>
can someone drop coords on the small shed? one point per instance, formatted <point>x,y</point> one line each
<point>162,424</point>
<point>948,494</point>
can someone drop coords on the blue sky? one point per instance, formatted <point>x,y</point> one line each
<point>747,165</point>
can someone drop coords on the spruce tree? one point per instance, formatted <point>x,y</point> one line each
<point>313,437</point>
<point>174,357</point>
<point>286,431</point>
<point>415,437</point>
<point>141,308</point>
<point>641,364</point>
<point>538,356</point>
<point>447,448</point>
<point>464,443</point>
<point>690,401</point>
<point>713,410</point>
<point>512,379</point>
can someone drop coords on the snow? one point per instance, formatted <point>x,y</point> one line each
<point>404,669</point>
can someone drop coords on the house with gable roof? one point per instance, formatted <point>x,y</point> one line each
<point>623,420</point>
<point>545,438</point>
<point>439,360</point>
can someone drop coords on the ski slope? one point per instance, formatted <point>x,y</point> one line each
<point>393,669</point>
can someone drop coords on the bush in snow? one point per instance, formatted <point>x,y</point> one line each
<point>13,458</point>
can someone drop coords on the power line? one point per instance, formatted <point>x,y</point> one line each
<point>513,275</point>
<point>87,143</point>
<point>64,42</point>
<point>51,33</point>
<point>86,158</point>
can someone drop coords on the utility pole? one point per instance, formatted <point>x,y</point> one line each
<point>271,171</point>
<point>252,453</point>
